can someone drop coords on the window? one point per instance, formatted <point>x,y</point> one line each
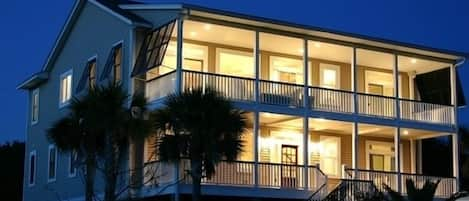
<point>35,106</point>
<point>117,64</point>
<point>65,88</point>
<point>381,83</point>
<point>326,152</point>
<point>32,168</point>
<point>235,63</point>
<point>329,76</point>
<point>73,159</point>
<point>286,70</point>
<point>380,156</point>
<point>92,74</point>
<point>52,164</point>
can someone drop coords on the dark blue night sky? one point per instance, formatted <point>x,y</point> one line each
<point>30,27</point>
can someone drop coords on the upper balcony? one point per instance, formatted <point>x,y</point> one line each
<point>250,66</point>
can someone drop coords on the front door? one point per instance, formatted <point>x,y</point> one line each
<point>289,172</point>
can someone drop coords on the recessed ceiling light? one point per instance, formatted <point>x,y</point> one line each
<point>413,61</point>
<point>317,44</point>
<point>301,50</point>
<point>405,132</point>
<point>193,33</point>
<point>207,27</point>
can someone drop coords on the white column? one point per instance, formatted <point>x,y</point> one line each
<point>455,146</point>
<point>180,26</point>
<point>419,154</point>
<point>355,148</point>
<point>305,117</point>
<point>397,156</point>
<point>257,67</point>
<point>396,87</point>
<point>256,149</point>
<point>413,162</point>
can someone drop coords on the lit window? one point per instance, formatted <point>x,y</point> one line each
<point>235,63</point>
<point>65,88</point>
<point>72,170</point>
<point>32,168</point>
<point>117,64</point>
<point>329,76</point>
<point>326,154</point>
<point>286,70</point>
<point>92,74</point>
<point>35,106</point>
<point>52,164</point>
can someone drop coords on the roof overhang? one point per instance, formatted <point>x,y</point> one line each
<point>33,81</point>
<point>305,31</point>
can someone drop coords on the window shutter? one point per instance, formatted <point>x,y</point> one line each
<point>154,47</point>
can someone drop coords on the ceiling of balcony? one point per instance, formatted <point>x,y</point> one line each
<point>293,46</point>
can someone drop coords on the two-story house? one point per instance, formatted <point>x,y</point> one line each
<point>322,105</point>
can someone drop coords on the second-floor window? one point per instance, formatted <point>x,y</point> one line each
<point>32,168</point>
<point>117,64</point>
<point>52,164</point>
<point>92,74</point>
<point>65,88</point>
<point>35,106</point>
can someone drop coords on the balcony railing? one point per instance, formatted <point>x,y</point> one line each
<point>241,174</point>
<point>292,95</point>
<point>445,189</point>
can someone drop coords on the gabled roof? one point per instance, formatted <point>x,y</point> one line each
<point>111,8</point>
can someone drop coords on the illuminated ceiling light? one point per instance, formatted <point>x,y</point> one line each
<point>301,50</point>
<point>193,33</point>
<point>405,132</point>
<point>317,44</point>
<point>413,61</point>
<point>207,27</point>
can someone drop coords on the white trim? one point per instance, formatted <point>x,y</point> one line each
<point>34,93</point>
<point>391,153</point>
<point>151,6</point>
<point>94,57</point>
<point>70,164</point>
<point>49,179</point>
<point>32,153</point>
<point>328,66</point>
<point>62,76</point>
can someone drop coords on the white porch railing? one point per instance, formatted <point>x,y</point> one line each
<point>427,112</point>
<point>292,95</point>
<point>445,189</point>
<point>241,174</point>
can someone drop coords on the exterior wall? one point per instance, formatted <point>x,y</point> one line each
<point>88,38</point>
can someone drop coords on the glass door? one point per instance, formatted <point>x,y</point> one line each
<point>289,172</point>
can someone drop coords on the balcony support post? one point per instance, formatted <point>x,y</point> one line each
<point>256,149</point>
<point>396,87</point>
<point>305,115</point>
<point>178,91</point>
<point>455,147</point>
<point>355,112</point>
<point>397,156</point>
<point>413,162</point>
<point>257,67</point>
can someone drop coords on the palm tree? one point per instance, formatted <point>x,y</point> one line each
<point>75,133</point>
<point>426,193</point>
<point>101,124</point>
<point>201,126</point>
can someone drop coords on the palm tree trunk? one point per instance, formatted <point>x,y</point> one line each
<point>90,175</point>
<point>196,174</point>
<point>111,168</point>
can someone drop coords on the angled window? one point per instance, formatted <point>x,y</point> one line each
<point>92,74</point>
<point>35,106</point>
<point>52,164</point>
<point>73,159</point>
<point>65,88</point>
<point>113,64</point>
<point>153,49</point>
<point>32,168</point>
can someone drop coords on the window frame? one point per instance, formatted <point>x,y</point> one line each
<point>32,173</point>
<point>119,45</point>
<point>91,60</point>
<point>368,151</point>
<point>327,66</point>
<point>53,179</point>
<point>63,103</point>
<point>219,50</point>
<point>35,113</point>
<point>302,67</point>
